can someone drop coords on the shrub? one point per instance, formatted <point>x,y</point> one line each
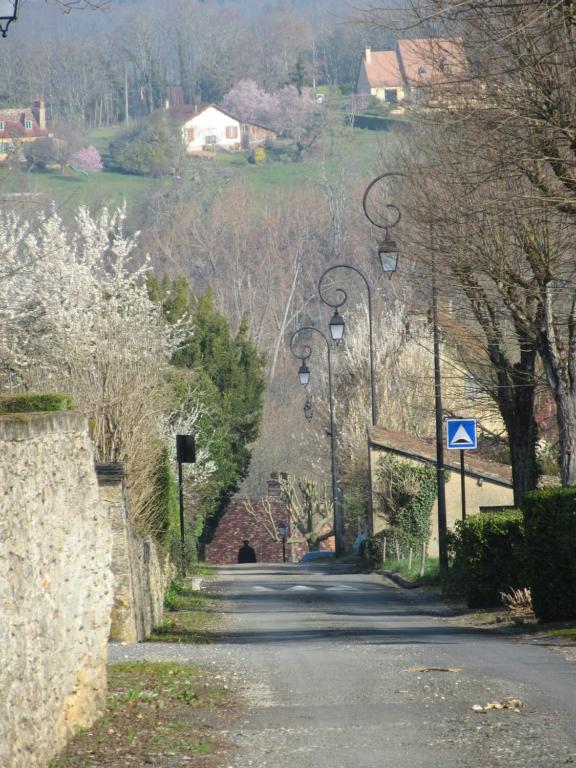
<point>372,548</point>
<point>490,556</point>
<point>405,495</point>
<point>550,523</point>
<point>35,401</point>
<point>151,148</point>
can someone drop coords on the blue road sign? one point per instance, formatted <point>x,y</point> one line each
<point>461,434</point>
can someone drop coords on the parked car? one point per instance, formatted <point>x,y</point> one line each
<point>317,555</point>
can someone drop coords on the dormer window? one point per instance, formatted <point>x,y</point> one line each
<point>28,125</point>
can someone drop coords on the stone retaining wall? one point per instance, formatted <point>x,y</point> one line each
<point>55,586</point>
<point>141,572</point>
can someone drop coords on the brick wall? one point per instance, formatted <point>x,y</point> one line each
<point>237,525</point>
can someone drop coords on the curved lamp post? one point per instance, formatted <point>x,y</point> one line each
<point>304,377</point>
<point>387,248</point>
<point>388,253</point>
<point>338,326</point>
<point>8,14</point>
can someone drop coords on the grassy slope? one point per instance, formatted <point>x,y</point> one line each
<point>352,152</point>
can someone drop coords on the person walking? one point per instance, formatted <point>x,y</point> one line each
<point>246,554</point>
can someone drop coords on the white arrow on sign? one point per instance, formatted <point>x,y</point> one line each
<point>461,437</point>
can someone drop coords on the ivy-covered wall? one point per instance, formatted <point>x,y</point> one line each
<point>479,493</point>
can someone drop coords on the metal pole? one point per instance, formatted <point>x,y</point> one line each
<point>338,532</point>
<point>284,548</point>
<point>463,484</point>
<point>338,522</point>
<point>442,545</point>
<point>181,493</point>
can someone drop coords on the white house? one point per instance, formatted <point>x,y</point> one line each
<point>213,126</point>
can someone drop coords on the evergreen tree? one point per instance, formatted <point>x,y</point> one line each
<point>230,373</point>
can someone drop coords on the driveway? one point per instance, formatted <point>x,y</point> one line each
<point>344,670</point>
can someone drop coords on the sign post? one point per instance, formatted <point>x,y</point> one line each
<point>461,436</point>
<point>185,454</point>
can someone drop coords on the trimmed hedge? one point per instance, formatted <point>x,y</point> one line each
<point>550,524</point>
<point>35,401</point>
<point>490,556</point>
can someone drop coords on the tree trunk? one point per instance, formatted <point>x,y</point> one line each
<point>566,415</point>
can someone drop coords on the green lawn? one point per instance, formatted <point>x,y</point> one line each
<point>352,153</point>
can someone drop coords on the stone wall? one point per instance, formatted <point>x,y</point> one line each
<point>55,586</point>
<point>141,572</point>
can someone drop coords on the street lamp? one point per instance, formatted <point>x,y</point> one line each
<point>303,356</point>
<point>337,324</point>
<point>388,254</point>
<point>282,530</point>
<point>304,374</point>
<point>8,14</point>
<point>387,248</point>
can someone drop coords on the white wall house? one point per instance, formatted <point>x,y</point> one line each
<point>213,126</point>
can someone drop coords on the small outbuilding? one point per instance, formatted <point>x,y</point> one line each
<point>488,484</point>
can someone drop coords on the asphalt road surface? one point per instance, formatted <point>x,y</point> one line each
<point>343,670</point>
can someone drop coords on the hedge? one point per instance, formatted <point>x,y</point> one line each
<point>490,556</point>
<point>550,524</point>
<point>35,401</point>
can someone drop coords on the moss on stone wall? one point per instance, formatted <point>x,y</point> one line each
<point>35,401</point>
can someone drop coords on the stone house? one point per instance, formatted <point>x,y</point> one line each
<point>215,127</point>
<point>487,483</point>
<point>429,67</point>
<point>21,125</point>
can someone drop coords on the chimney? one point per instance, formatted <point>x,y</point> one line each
<point>368,55</point>
<point>274,485</point>
<point>39,112</point>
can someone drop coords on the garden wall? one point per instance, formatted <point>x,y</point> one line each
<point>141,573</point>
<point>55,586</point>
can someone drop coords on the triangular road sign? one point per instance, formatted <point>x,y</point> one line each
<point>462,437</point>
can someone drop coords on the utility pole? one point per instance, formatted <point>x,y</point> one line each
<point>442,544</point>
<point>126,100</point>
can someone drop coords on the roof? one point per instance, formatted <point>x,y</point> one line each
<point>383,69</point>
<point>425,450</point>
<point>432,61</point>
<point>15,126</point>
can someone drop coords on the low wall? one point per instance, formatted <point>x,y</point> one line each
<point>141,574</point>
<point>55,586</point>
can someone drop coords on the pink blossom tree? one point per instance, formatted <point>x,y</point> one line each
<point>87,159</point>
<point>250,103</point>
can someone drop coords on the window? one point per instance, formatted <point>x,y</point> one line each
<point>2,125</point>
<point>28,125</point>
<point>231,132</point>
<point>190,136</point>
<point>391,95</point>
<point>210,138</point>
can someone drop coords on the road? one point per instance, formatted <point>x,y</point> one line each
<point>344,670</point>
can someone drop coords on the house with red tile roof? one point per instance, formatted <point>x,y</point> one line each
<point>429,67</point>
<point>20,125</point>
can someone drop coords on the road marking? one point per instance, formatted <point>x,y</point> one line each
<point>264,589</point>
<point>301,588</point>
<point>341,587</point>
